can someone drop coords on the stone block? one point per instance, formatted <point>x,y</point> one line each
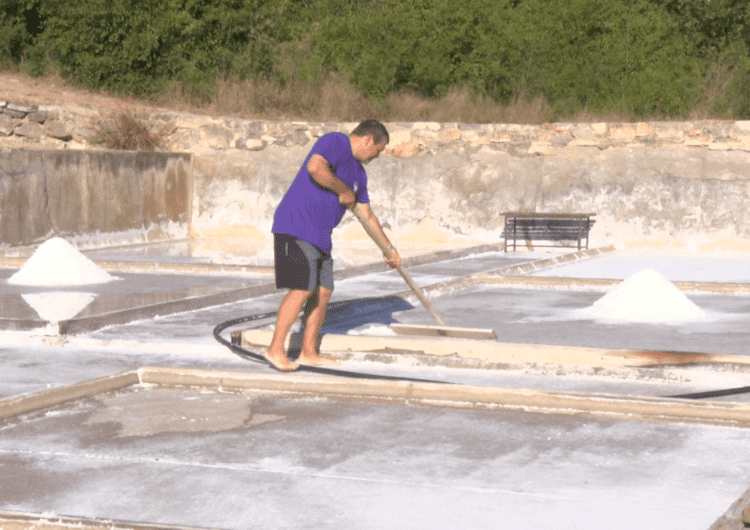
<point>624,134</point>
<point>254,129</point>
<point>37,116</point>
<point>427,134</point>
<point>60,130</point>
<point>217,136</point>
<point>7,124</point>
<point>406,150</point>
<point>83,135</point>
<point>697,141</point>
<point>21,108</point>
<point>301,137</point>
<point>14,113</point>
<point>251,144</point>
<point>644,129</point>
<point>191,121</point>
<point>399,137</point>
<point>184,140</point>
<point>449,134</point>
<point>541,148</point>
<point>426,125</point>
<point>30,130</point>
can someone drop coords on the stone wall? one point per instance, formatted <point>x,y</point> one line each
<point>650,184</point>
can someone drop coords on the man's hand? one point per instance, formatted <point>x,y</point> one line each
<point>347,199</point>
<point>321,173</point>
<point>394,260</point>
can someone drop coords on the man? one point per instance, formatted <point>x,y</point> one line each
<point>331,180</point>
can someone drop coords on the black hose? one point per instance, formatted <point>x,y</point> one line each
<point>242,352</point>
<point>713,393</point>
<point>258,358</point>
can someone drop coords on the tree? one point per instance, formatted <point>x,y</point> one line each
<point>623,55</point>
<point>20,24</point>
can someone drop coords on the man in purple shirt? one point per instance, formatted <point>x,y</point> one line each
<point>331,180</point>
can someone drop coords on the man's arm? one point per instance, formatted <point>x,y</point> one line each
<point>394,259</point>
<point>321,173</point>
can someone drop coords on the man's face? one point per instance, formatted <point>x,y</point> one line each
<point>368,150</point>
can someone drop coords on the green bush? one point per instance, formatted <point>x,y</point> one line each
<point>20,24</point>
<point>648,58</point>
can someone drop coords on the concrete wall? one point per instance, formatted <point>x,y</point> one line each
<point>678,184</point>
<point>659,184</point>
<point>67,193</point>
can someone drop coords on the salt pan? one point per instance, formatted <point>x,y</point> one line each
<point>646,296</point>
<point>58,263</point>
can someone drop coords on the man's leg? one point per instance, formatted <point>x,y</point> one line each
<point>315,315</point>
<point>288,312</point>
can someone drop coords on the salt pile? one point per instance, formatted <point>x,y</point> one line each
<point>58,263</point>
<point>646,296</point>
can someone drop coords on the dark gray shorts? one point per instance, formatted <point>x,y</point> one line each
<point>300,265</point>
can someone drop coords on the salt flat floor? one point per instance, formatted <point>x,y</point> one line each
<point>318,463</point>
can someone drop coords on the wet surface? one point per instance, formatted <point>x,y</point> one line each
<point>675,266</point>
<point>134,290</point>
<point>364,465</point>
<point>533,316</point>
<point>126,292</point>
<point>226,460</point>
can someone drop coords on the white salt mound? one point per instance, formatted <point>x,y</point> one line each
<point>58,263</point>
<point>646,296</point>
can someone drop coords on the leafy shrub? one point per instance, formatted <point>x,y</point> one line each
<point>647,58</point>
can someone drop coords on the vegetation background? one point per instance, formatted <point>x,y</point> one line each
<point>521,61</point>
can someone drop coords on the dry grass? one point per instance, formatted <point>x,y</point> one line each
<point>52,89</point>
<point>125,131</point>
<point>335,100</point>
<point>461,106</point>
<point>331,99</point>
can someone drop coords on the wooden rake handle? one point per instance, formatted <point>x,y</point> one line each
<point>389,253</point>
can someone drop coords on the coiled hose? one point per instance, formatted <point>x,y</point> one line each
<point>258,358</point>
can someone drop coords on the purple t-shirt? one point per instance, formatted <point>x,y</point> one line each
<point>310,212</point>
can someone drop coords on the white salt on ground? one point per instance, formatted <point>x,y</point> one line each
<point>376,330</point>
<point>58,263</point>
<point>646,296</point>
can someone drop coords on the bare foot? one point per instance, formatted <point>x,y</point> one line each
<point>314,359</point>
<point>280,362</point>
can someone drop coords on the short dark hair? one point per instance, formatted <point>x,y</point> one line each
<point>372,128</point>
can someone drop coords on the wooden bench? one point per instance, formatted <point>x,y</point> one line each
<point>550,227</point>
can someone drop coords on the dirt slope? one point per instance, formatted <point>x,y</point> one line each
<point>22,89</point>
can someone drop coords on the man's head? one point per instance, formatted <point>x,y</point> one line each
<point>369,138</point>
